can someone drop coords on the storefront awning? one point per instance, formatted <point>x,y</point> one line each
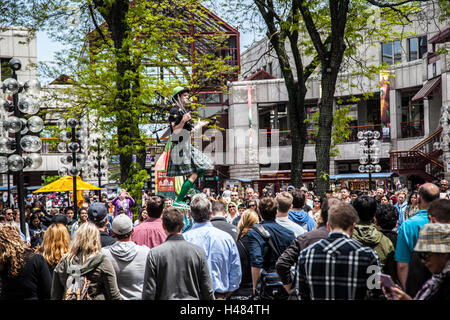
<point>427,88</point>
<point>360,175</point>
<point>13,187</point>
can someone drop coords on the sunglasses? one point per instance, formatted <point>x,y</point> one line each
<point>316,200</point>
<point>424,256</point>
<point>252,205</point>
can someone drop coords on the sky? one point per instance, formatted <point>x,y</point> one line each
<point>46,48</point>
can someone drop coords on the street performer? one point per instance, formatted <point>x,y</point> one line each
<point>184,159</point>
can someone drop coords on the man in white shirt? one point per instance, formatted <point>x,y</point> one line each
<point>284,200</point>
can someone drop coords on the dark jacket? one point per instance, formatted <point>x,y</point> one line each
<point>418,274</point>
<point>176,270</point>
<point>246,286</point>
<point>222,224</point>
<point>98,269</point>
<point>106,239</point>
<point>32,283</point>
<point>442,292</point>
<point>290,256</point>
<point>36,241</point>
<point>392,235</point>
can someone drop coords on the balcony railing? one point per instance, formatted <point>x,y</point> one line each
<point>411,129</point>
<point>285,135</point>
<point>50,145</point>
<point>415,161</point>
<point>265,138</point>
<point>355,129</point>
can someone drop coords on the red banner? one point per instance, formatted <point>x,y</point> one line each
<point>164,183</point>
<point>385,105</point>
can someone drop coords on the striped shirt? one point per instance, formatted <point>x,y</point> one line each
<point>335,268</point>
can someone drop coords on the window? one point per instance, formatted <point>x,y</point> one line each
<point>412,116</point>
<point>417,48</point>
<point>209,98</point>
<point>391,52</point>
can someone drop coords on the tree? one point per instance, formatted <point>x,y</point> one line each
<point>113,49</point>
<point>283,31</point>
<point>345,19</point>
<point>335,29</point>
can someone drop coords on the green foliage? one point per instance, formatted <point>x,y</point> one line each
<point>49,179</point>
<point>118,53</point>
<point>340,131</point>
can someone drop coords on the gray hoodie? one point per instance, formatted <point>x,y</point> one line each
<point>128,260</point>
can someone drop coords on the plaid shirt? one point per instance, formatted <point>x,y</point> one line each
<point>335,268</point>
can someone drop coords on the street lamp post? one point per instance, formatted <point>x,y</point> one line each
<point>370,150</point>
<point>20,123</point>
<point>72,144</point>
<point>97,162</point>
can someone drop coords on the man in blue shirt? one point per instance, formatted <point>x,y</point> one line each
<point>408,232</point>
<point>220,248</point>
<point>261,255</point>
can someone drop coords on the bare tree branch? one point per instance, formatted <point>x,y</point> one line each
<point>94,20</point>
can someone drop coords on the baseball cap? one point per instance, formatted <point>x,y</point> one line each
<point>122,224</point>
<point>60,218</point>
<point>97,212</point>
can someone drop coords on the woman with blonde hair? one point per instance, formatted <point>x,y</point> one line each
<point>54,245</point>
<point>23,274</point>
<point>85,259</point>
<point>248,219</point>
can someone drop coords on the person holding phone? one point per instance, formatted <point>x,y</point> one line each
<point>125,201</point>
<point>433,247</point>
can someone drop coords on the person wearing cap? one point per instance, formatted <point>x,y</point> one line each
<point>184,159</point>
<point>97,213</point>
<point>127,258</point>
<point>433,246</point>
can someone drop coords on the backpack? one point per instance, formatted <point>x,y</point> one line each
<point>269,285</point>
<point>77,285</point>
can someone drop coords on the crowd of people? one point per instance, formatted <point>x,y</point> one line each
<point>292,245</point>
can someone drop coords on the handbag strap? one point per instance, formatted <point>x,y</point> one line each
<point>245,249</point>
<point>267,237</point>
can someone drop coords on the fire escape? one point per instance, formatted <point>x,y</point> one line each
<point>423,159</point>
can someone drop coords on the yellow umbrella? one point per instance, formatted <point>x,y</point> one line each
<point>66,184</point>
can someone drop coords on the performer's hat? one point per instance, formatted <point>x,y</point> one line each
<point>179,90</point>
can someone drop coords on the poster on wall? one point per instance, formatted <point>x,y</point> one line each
<point>384,105</point>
